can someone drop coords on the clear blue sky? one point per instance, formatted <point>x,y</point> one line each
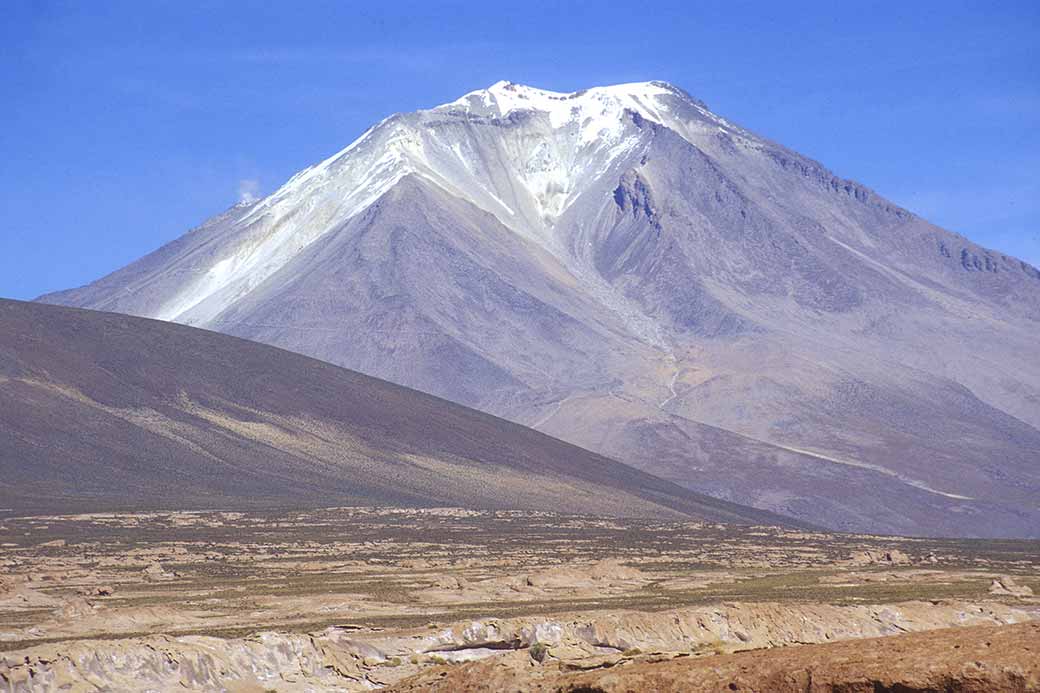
<point>122,125</point>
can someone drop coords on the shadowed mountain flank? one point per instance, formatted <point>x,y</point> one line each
<point>107,411</point>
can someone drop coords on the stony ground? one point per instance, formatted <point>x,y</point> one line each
<point>360,598</point>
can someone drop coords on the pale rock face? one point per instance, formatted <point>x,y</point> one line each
<point>621,268</point>
<point>342,660</point>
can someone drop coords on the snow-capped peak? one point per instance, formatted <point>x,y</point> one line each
<point>503,98</point>
<point>526,171</point>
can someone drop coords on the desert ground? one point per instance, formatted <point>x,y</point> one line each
<point>449,599</point>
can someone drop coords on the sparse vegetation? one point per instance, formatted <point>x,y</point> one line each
<point>708,647</point>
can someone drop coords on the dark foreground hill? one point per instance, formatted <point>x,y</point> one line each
<point>105,411</point>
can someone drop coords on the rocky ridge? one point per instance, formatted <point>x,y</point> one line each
<point>981,659</point>
<point>342,659</point>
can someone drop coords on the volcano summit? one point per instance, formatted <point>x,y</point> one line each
<point>621,268</point>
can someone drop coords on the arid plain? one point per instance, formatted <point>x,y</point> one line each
<point>451,599</point>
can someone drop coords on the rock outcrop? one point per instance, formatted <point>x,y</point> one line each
<point>1004,659</point>
<point>338,659</point>
<point>1008,586</point>
<point>887,558</point>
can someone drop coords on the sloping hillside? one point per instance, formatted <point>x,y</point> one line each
<point>104,411</point>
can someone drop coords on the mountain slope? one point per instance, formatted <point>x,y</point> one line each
<point>99,410</point>
<point>630,272</point>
